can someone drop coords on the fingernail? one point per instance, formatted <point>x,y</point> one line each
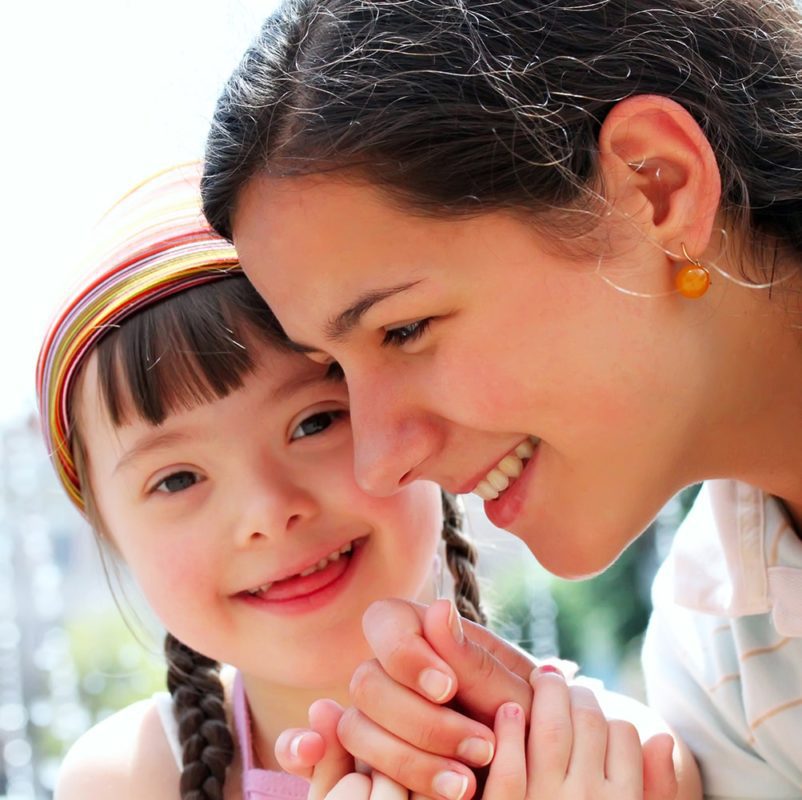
<point>544,669</point>
<point>455,625</point>
<point>295,745</point>
<point>450,785</point>
<point>476,750</point>
<point>512,710</point>
<point>436,684</point>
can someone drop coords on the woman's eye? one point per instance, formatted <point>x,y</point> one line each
<point>316,423</point>
<point>395,337</point>
<point>177,482</point>
<point>335,373</point>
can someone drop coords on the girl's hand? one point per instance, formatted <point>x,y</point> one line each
<point>374,787</point>
<point>573,751</point>
<point>315,753</point>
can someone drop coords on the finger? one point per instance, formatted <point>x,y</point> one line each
<point>394,631</point>
<point>551,731</point>
<point>507,778</point>
<point>590,730</point>
<point>488,670</point>
<point>385,788</point>
<point>434,729</point>
<point>337,762</point>
<point>624,758</point>
<point>298,750</point>
<point>427,774</point>
<point>352,787</point>
<point>659,774</point>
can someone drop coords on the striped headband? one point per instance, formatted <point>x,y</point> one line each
<point>153,243</point>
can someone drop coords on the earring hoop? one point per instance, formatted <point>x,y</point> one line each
<point>693,278</point>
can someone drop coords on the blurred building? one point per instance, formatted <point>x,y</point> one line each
<point>41,534</point>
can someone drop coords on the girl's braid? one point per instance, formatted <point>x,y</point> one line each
<point>461,558</point>
<point>199,707</point>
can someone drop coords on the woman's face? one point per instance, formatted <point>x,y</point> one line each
<point>465,339</point>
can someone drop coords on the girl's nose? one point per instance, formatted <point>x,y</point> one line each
<point>276,504</point>
<point>393,437</point>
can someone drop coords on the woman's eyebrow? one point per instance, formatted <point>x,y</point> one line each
<point>339,326</point>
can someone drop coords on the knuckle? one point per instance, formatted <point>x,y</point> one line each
<point>364,681</point>
<point>555,732</point>
<point>408,769</point>
<point>429,736</point>
<point>590,719</point>
<point>482,672</point>
<point>397,657</point>
<point>624,730</point>
<point>378,611</point>
<point>348,728</point>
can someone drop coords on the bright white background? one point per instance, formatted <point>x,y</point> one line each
<point>94,96</point>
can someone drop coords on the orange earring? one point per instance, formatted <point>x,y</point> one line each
<point>693,279</point>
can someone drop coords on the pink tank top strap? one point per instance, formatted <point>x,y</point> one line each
<point>260,784</point>
<point>242,722</point>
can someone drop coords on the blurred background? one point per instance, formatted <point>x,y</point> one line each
<point>97,96</point>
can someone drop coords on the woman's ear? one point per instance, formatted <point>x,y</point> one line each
<point>660,172</point>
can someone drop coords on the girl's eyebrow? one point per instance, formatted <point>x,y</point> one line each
<point>339,326</point>
<point>149,443</point>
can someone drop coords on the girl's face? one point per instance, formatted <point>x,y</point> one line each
<point>463,339</point>
<point>243,524</point>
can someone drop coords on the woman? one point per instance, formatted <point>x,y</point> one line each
<point>556,250</point>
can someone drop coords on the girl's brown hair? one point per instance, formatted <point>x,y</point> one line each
<point>188,349</point>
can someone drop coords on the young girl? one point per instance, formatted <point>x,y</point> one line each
<point>556,248</point>
<point>217,463</point>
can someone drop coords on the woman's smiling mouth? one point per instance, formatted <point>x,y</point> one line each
<point>506,471</point>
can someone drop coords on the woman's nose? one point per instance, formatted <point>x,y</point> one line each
<point>393,437</point>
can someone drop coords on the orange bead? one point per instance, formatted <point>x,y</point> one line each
<point>692,281</point>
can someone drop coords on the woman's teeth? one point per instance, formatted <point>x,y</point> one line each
<point>322,564</point>
<point>506,471</point>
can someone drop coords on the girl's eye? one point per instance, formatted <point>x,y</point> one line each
<point>316,423</point>
<point>395,337</point>
<point>177,482</point>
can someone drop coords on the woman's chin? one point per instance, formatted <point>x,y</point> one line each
<point>572,557</point>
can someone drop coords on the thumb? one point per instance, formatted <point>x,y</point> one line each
<point>659,775</point>
<point>297,751</point>
<point>489,671</point>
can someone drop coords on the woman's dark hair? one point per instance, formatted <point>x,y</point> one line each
<point>187,349</point>
<point>465,106</point>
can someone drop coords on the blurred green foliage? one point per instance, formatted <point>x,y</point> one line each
<point>599,622</point>
<point>116,666</point>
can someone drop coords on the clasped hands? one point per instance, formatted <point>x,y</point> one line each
<point>445,697</point>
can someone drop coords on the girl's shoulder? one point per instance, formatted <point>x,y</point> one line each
<point>126,756</point>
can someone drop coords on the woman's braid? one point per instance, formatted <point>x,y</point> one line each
<point>461,558</point>
<point>199,707</point>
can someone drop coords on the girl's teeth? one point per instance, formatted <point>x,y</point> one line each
<point>322,564</point>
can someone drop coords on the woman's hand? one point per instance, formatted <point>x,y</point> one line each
<point>400,724</point>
